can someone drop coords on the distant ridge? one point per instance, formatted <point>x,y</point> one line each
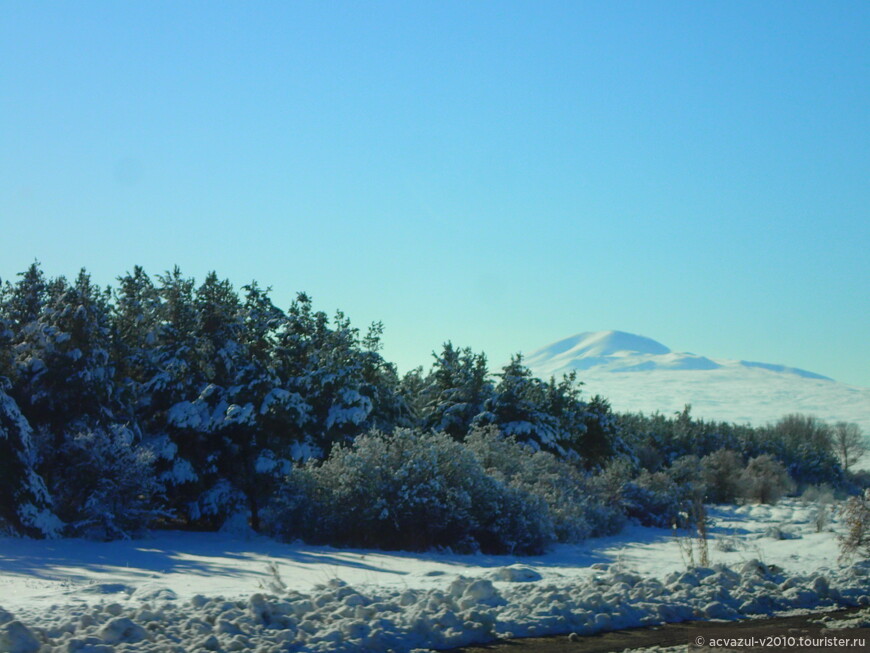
<point>788,370</point>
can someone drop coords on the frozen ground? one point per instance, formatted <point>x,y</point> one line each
<point>210,591</point>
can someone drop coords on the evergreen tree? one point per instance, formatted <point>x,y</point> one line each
<point>66,382</point>
<point>106,488</point>
<point>6,338</point>
<point>211,353</point>
<point>25,504</point>
<point>63,372</point>
<point>342,379</point>
<point>455,391</point>
<point>136,331</point>
<point>601,439</point>
<point>173,376</point>
<point>176,374</point>
<point>518,408</point>
<point>411,390</point>
<point>23,302</point>
<point>380,381</point>
<point>252,416</point>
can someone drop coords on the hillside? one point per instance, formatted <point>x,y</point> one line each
<point>640,374</point>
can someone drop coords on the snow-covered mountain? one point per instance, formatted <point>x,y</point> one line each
<point>639,374</point>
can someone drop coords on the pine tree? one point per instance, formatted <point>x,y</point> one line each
<point>210,353</point>
<point>254,434</point>
<point>548,416</point>
<point>345,383</point>
<point>136,330</point>
<point>173,376</point>
<point>517,408</point>
<point>455,391</point>
<point>25,503</point>
<point>6,337</point>
<point>601,438</point>
<point>380,381</point>
<point>24,301</point>
<point>63,376</point>
<point>176,375</point>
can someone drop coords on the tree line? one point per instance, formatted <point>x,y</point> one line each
<point>163,400</point>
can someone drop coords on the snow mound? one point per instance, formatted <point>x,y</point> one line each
<point>154,592</point>
<point>341,618</point>
<point>15,637</point>
<point>514,574</point>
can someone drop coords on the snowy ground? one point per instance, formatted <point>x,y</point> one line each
<point>161,594</point>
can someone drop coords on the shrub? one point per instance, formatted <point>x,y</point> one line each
<point>576,511</point>
<point>652,499</point>
<point>765,480</point>
<point>721,472</point>
<point>822,499</point>
<point>856,515</point>
<point>409,490</point>
<point>686,473</point>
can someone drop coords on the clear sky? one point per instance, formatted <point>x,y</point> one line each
<point>500,174</point>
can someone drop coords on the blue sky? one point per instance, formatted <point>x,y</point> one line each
<point>500,174</point>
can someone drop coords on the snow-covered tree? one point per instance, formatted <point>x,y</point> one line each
<point>136,330</point>
<point>797,430</point>
<point>107,488</point>
<point>25,504</point>
<point>172,375</point>
<point>803,443</point>
<point>455,391</point>
<point>342,378</point>
<point>6,338</point>
<point>516,407</point>
<point>199,353</point>
<point>64,372</point>
<point>409,490</point>
<point>602,438</point>
<point>23,302</point>
<point>245,415</point>
<point>176,375</point>
<point>547,416</point>
<point>721,472</point>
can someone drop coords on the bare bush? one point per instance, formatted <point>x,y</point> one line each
<point>856,515</point>
<point>765,480</point>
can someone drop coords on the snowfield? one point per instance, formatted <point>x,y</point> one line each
<point>231,592</point>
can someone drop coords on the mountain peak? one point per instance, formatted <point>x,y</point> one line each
<point>593,347</point>
<point>616,351</point>
<point>608,343</point>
